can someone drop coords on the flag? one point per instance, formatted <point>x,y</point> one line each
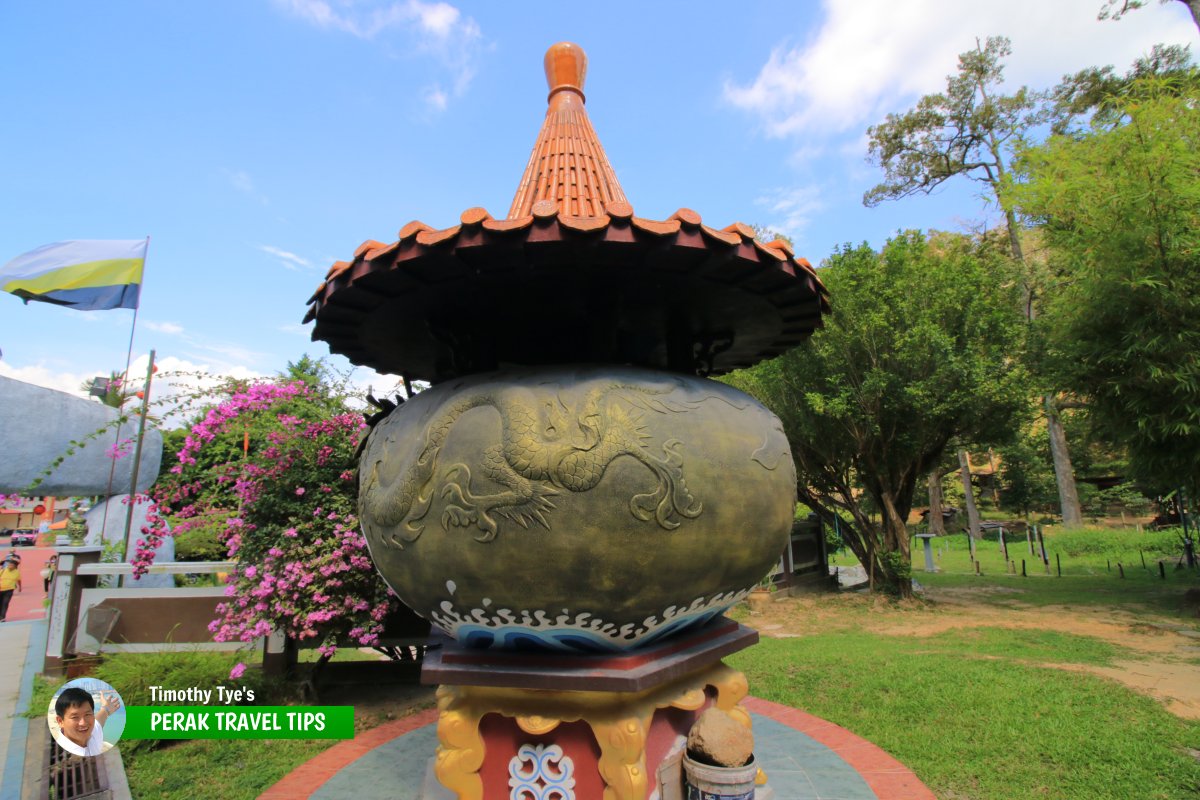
<point>89,275</point>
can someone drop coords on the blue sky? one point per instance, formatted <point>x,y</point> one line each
<point>258,141</point>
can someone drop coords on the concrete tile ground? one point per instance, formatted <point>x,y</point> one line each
<point>21,644</point>
<point>830,764</point>
<point>22,641</point>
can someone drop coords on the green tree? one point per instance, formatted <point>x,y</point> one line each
<point>1027,474</point>
<point>1120,207</point>
<point>971,130</point>
<point>921,348</point>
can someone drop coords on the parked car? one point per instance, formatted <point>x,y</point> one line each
<point>24,537</point>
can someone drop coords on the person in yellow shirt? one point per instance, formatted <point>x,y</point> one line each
<point>10,580</point>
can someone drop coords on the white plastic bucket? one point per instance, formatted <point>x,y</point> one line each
<point>703,782</point>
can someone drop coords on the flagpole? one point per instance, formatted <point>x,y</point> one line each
<point>137,454</point>
<point>124,381</point>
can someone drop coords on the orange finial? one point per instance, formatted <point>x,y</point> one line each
<point>566,68</point>
<point>567,173</point>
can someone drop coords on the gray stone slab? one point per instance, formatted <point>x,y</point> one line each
<point>392,771</point>
<point>37,425</point>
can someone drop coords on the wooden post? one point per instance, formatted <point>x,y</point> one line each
<point>1143,555</point>
<point>1162,571</point>
<point>1029,537</point>
<point>279,654</point>
<point>1023,575</point>
<point>977,571</point>
<point>1058,563</point>
<point>1121,569</point>
<point>964,464</point>
<point>936,523</point>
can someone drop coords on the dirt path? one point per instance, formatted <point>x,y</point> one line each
<point>1163,652</point>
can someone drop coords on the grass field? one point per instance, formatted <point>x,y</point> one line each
<point>1002,686</point>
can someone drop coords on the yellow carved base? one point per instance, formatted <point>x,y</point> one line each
<point>620,721</point>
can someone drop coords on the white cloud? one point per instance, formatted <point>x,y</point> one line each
<point>242,181</point>
<point>363,380</point>
<point>874,56</point>
<point>41,375</point>
<point>288,260</point>
<point>789,210</point>
<point>437,29</point>
<point>438,19</point>
<point>227,355</point>
<point>164,327</point>
<point>181,387</point>
<point>435,98</point>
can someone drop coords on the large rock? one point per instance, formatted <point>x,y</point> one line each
<point>717,740</point>
<point>37,425</point>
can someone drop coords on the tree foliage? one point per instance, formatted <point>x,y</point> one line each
<point>1115,9</point>
<point>1096,96</point>
<point>921,348</point>
<point>969,129</point>
<point>1120,208</point>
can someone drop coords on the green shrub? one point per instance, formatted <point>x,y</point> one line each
<point>201,544</point>
<point>1121,544</point>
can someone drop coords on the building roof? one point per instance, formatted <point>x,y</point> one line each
<point>570,275</point>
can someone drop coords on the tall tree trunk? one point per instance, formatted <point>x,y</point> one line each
<point>1060,452</point>
<point>1064,474</point>
<point>897,571</point>
<point>937,526</point>
<point>973,521</point>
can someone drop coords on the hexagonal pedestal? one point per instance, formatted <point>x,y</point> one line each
<point>593,727</point>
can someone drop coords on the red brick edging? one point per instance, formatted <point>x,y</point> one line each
<point>887,777</point>
<point>305,779</point>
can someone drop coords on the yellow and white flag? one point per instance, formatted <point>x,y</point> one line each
<point>86,274</point>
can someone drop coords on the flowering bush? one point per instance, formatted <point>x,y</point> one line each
<point>273,466</point>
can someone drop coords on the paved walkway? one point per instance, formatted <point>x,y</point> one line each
<point>805,758</point>
<point>22,641</point>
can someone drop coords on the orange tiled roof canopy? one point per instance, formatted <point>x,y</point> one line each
<point>570,275</point>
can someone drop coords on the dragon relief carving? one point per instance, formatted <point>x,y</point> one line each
<point>546,447</point>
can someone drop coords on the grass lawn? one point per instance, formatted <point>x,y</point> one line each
<point>227,769</point>
<point>979,714</point>
<point>1002,686</point>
